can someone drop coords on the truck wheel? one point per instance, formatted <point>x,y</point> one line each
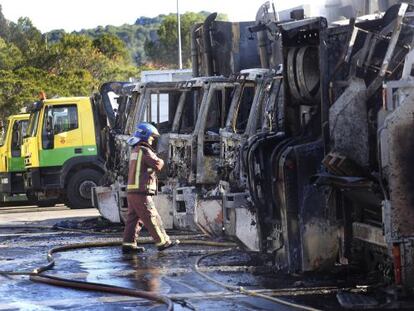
<point>79,188</point>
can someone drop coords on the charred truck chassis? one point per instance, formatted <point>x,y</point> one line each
<point>323,194</point>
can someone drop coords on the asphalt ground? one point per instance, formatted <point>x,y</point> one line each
<point>27,233</point>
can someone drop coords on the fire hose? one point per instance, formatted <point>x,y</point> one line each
<point>37,276</point>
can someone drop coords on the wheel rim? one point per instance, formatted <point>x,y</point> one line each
<point>85,189</point>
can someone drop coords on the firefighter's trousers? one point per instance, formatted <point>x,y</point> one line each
<point>142,212</point>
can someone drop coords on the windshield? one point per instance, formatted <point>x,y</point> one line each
<point>33,122</point>
<point>3,133</point>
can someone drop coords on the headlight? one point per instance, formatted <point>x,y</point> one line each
<point>5,180</point>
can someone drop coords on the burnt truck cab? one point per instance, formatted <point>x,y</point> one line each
<point>196,158</point>
<point>167,105</point>
<point>194,153</point>
<point>265,116</point>
<point>172,107</point>
<point>246,117</point>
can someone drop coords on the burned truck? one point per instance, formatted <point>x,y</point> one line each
<point>332,185</point>
<point>316,171</point>
<point>155,102</point>
<point>231,40</point>
<point>197,199</point>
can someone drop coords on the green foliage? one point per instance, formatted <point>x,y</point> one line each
<point>111,46</point>
<point>133,37</point>
<point>75,64</point>
<point>152,40</point>
<point>58,63</point>
<point>4,27</point>
<point>23,85</point>
<point>10,56</point>
<point>164,51</point>
<point>26,37</point>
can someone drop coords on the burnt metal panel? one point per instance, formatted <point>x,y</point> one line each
<point>348,122</point>
<point>400,167</point>
<point>230,48</point>
<point>318,233</point>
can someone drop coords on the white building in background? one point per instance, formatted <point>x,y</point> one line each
<point>166,75</point>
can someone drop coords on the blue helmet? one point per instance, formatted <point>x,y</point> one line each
<point>143,133</point>
<point>145,130</point>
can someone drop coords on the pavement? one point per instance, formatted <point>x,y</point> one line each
<point>43,215</point>
<point>26,234</point>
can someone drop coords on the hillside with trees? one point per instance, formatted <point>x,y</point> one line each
<point>154,40</point>
<point>75,64</point>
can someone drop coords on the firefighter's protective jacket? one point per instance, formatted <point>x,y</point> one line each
<point>143,166</point>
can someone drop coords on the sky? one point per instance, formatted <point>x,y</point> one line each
<point>73,15</point>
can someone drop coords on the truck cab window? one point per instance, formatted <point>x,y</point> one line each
<point>218,109</point>
<point>23,127</point>
<point>157,109</point>
<point>189,114</point>
<point>18,132</point>
<point>160,110</point>
<point>33,122</point>
<point>244,107</point>
<point>59,119</point>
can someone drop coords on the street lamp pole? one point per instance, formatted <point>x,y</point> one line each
<point>180,60</point>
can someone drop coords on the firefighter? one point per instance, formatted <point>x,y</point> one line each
<point>142,185</point>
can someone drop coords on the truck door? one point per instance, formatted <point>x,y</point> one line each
<point>16,160</point>
<point>61,135</point>
<point>19,128</point>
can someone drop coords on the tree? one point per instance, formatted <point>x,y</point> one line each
<point>71,66</point>
<point>165,50</point>
<point>23,85</point>
<point>27,38</point>
<point>76,64</point>
<point>10,56</point>
<point>74,52</point>
<point>112,47</point>
<point>4,26</point>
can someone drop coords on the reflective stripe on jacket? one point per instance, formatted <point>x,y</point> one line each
<point>143,166</point>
